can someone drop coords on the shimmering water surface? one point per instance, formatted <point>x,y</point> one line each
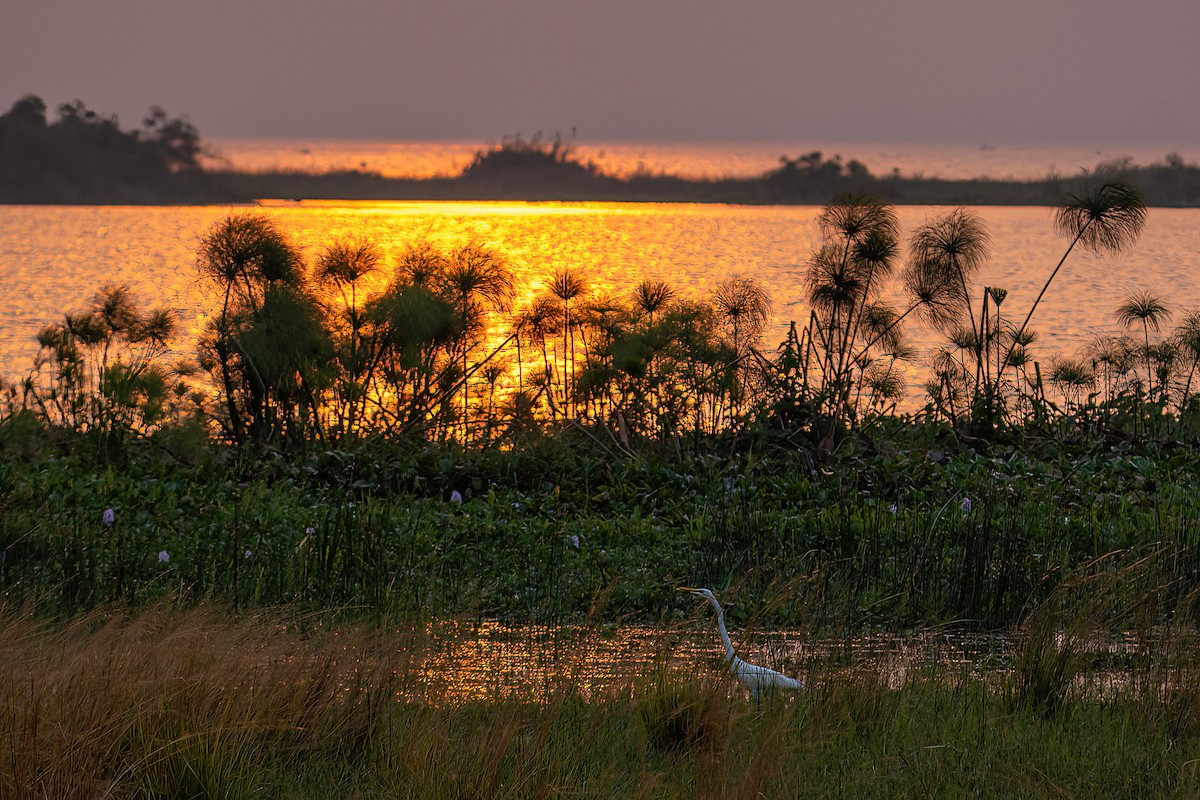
<point>461,661</point>
<point>489,660</point>
<point>53,258</point>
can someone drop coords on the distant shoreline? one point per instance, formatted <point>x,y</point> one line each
<point>690,160</point>
<point>1170,185</point>
<point>84,158</point>
<point>1165,186</point>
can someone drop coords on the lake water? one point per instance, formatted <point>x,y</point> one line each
<point>490,660</point>
<point>52,258</point>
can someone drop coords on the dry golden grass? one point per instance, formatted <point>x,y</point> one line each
<point>178,703</point>
<point>171,702</point>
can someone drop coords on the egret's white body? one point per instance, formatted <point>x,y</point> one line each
<point>755,678</point>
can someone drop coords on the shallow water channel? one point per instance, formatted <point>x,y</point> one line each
<point>461,661</point>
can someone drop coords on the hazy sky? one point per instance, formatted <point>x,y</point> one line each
<point>865,70</point>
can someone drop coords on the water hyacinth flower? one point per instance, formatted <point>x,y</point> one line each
<point>163,556</point>
<point>108,518</point>
<point>966,504</point>
<point>892,508</point>
<point>456,497</point>
<point>575,542</point>
<point>248,554</point>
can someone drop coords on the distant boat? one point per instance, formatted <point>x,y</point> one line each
<point>987,148</point>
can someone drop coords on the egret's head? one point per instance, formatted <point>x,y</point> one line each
<point>702,593</point>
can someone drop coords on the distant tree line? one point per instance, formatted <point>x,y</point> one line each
<point>85,157</point>
<point>539,168</point>
<point>82,156</point>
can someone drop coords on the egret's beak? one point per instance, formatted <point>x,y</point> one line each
<point>686,589</point>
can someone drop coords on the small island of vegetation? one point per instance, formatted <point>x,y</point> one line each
<point>85,157</point>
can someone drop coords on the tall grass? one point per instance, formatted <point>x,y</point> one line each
<point>165,703</point>
<point>171,703</point>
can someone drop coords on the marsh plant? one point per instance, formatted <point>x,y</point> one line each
<point>1139,383</point>
<point>852,339</point>
<point>105,372</point>
<point>1148,312</point>
<point>425,344</point>
<point>265,342</point>
<point>944,256</point>
<point>360,349</point>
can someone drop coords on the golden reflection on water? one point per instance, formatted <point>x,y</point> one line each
<point>462,208</point>
<point>452,662</point>
<point>488,660</point>
<point>53,258</point>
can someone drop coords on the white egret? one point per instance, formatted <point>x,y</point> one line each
<point>755,678</point>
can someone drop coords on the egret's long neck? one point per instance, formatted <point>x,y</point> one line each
<point>724,633</point>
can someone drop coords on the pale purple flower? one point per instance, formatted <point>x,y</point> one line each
<point>248,554</point>
<point>892,508</point>
<point>575,542</point>
<point>456,497</point>
<point>163,556</point>
<point>966,504</point>
<point>108,518</point>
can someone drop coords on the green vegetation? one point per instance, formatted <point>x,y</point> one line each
<point>85,157</point>
<point>235,563</point>
<point>400,437</point>
<point>550,535</point>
